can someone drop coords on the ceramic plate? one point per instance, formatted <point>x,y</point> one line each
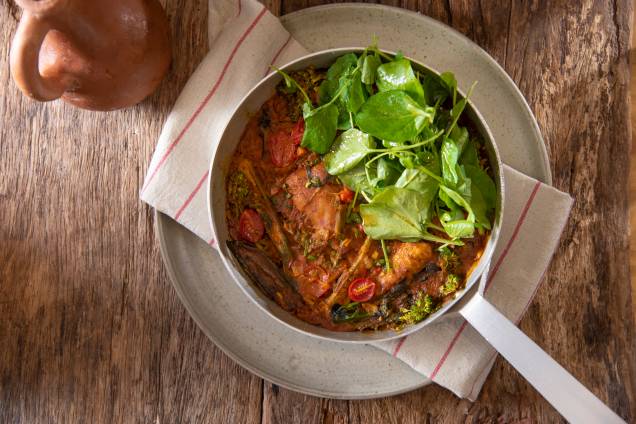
<point>274,351</point>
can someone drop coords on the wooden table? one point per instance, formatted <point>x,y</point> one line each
<point>92,330</point>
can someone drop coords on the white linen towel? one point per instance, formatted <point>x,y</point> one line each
<point>245,40</point>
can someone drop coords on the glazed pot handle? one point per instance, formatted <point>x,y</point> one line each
<point>24,59</point>
<point>568,396</point>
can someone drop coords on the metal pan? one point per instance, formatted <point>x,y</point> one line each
<point>250,104</point>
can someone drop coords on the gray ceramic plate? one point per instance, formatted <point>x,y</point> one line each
<point>272,350</point>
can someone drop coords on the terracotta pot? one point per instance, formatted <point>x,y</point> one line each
<point>98,54</point>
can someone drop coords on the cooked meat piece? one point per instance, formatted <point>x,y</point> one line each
<point>297,185</point>
<point>406,259</point>
<point>320,205</point>
<point>313,280</point>
<point>324,211</point>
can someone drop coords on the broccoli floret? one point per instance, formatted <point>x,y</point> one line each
<point>421,307</point>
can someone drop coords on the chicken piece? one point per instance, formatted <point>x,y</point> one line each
<point>298,187</point>
<point>313,280</point>
<point>406,259</point>
<point>320,205</point>
<point>325,211</point>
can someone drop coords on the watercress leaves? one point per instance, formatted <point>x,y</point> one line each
<point>458,108</point>
<point>356,179</point>
<point>393,115</point>
<point>388,173</point>
<point>483,195</point>
<point>482,181</point>
<point>341,65</point>
<point>347,151</point>
<point>394,213</point>
<point>417,180</point>
<point>426,164</point>
<point>353,95</point>
<point>320,127</point>
<point>451,84</point>
<point>450,155</point>
<point>469,155</point>
<point>369,68</point>
<point>454,222</point>
<point>399,75</point>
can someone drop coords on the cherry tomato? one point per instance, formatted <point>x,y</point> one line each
<point>282,149</point>
<point>251,226</point>
<point>345,195</point>
<point>361,289</point>
<point>298,131</point>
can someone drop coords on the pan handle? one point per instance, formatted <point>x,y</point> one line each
<point>568,396</point>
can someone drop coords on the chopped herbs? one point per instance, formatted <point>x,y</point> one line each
<point>237,191</point>
<point>450,285</point>
<point>421,307</point>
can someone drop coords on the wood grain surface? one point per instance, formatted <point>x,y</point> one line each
<point>92,331</point>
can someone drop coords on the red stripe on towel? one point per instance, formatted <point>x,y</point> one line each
<point>399,345</point>
<point>191,196</point>
<point>448,350</point>
<point>522,218</point>
<point>205,100</point>
<point>278,54</point>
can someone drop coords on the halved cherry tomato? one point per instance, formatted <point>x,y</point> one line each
<point>251,226</point>
<point>298,131</point>
<point>345,195</point>
<point>361,289</point>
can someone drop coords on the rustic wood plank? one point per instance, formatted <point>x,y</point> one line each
<point>570,61</point>
<point>92,330</point>
<point>632,174</point>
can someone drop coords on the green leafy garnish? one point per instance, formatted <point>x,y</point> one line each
<point>320,127</point>
<point>393,115</point>
<point>399,75</point>
<point>348,150</point>
<point>397,214</point>
<point>395,137</point>
<point>369,68</point>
